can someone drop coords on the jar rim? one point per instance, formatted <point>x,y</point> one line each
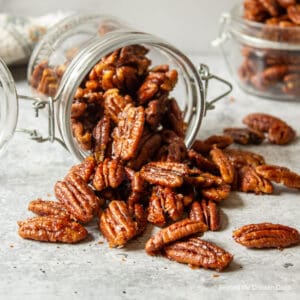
<point>97,48</point>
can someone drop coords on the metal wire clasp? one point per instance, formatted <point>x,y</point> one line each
<point>206,76</point>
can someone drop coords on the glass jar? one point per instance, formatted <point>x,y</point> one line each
<point>68,52</point>
<point>264,59</point>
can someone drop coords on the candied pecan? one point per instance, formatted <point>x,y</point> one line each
<point>204,180</point>
<point>172,233</point>
<point>78,198</point>
<point>281,134</point>
<point>271,7</point>
<point>293,12</point>
<point>155,111</point>
<point>117,224</point>
<point>250,181</point>
<point>254,10</point>
<point>164,173</point>
<point>245,136</point>
<point>78,109</point>
<point>114,103</point>
<point>266,235</point>
<point>221,141</point>
<point>109,173</point>
<point>128,133</point>
<point>101,137</point>
<point>155,209</point>
<point>160,80</point>
<point>206,211</point>
<point>37,73</point>
<point>286,3</point>
<point>48,208</point>
<point>203,163</point>
<point>199,253</point>
<point>137,182</point>
<point>201,147</point>
<point>280,175</point>
<point>82,136</point>
<point>241,158</point>
<point>217,193</point>
<point>48,84</point>
<point>174,118</point>
<point>52,229</point>
<point>224,164</point>
<point>140,215</point>
<point>86,169</point>
<point>291,84</point>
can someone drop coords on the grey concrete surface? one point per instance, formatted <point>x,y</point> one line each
<point>90,270</point>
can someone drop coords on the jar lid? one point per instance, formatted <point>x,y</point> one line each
<point>8,106</point>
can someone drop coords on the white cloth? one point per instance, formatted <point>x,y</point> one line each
<point>19,34</point>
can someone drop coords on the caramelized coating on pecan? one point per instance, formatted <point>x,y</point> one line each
<point>216,193</point>
<point>250,181</point>
<point>140,216</point>
<point>286,3</point>
<point>83,136</point>
<point>266,235</point>
<point>48,208</point>
<point>241,158</point>
<point>199,253</point>
<point>224,164</point>
<point>271,6</point>
<point>52,229</point>
<point>128,133</point>
<point>109,173</point>
<point>168,174</point>
<point>206,211</point>
<point>155,111</point>
<point>172,233</point>
<point>260,121</point>
<point>174,118</point>
<point>117,224</point>
<point>293,12</point>
<point>245,136</point>
<point>220,141</point>
<point>155,209</point>
<point>204,180</point>
<point>254,10</point>
<point>86,169</point>
<point>101,138</point>
<point>78,198</point>
<point>280,175</point>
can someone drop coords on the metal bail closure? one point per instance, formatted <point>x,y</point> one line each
<point>206,76</point>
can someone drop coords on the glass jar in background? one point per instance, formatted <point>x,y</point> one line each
<point>64,58</point>
<point>264,59</point>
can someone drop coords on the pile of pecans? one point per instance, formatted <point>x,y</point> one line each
<point>276,71</point>
<point>140,171</point>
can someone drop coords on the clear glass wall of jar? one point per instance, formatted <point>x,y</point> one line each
<point>65,56</point>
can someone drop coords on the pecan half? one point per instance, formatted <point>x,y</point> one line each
<point>271,7</point>
<point>117,224</point>
<point>164,173</point>
<point>218,193</point>
<point>245,136</point>
<point>128,133</point>
<point>250,181</point>
<point>155,111</point>
<point>260,121</point>
<point>286,3</point>
<point>86,169</point>
<point>52,229</point>
<point>48,208</point>
<point>220,141</point>
<point>266,235</point>
<point>109,173</point>
<point>174,118</point>
<point>172,233</point>
<point>199,253</point>
<point>280,175</point>
<point>204,180</point>
<point>78,198</point>
<point>224,164</point>
<point>254,10</point>
<point>281,134</point>
<point>206,211</point>
<point>293,12</point>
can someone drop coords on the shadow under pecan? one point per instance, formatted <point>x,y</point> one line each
<point>78,198</point>
<point>250,181</point>
<point>86,169</point>
<point>216,193</point>
<point>109,173</point>
<point>117,224</point>
<point>206,211</point>
<point>168,174</point>
<point>128,133</point>
<point>52,229</point>
<point>172,233</point>
<point>48,208</point>
<point>245,136</point>
<point>199,253</point>
<point>280,175</point>
<point>266,235</point>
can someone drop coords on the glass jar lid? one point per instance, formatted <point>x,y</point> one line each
<point>8,106</point>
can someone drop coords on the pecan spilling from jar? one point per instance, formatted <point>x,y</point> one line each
<point>206,211</point>
<point>109,173</point>
<point>52,229</point>
<point>245,136</point>
<point>168,174</point>
<point>266,235</point>
<point>48,208</point>
<point>78,198</point>
<point>172,233</point>
<point>250,181</point>
<point>117,224</point>
<point>199,253</point>
<point>128,133</point>
<point>280,175</point>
